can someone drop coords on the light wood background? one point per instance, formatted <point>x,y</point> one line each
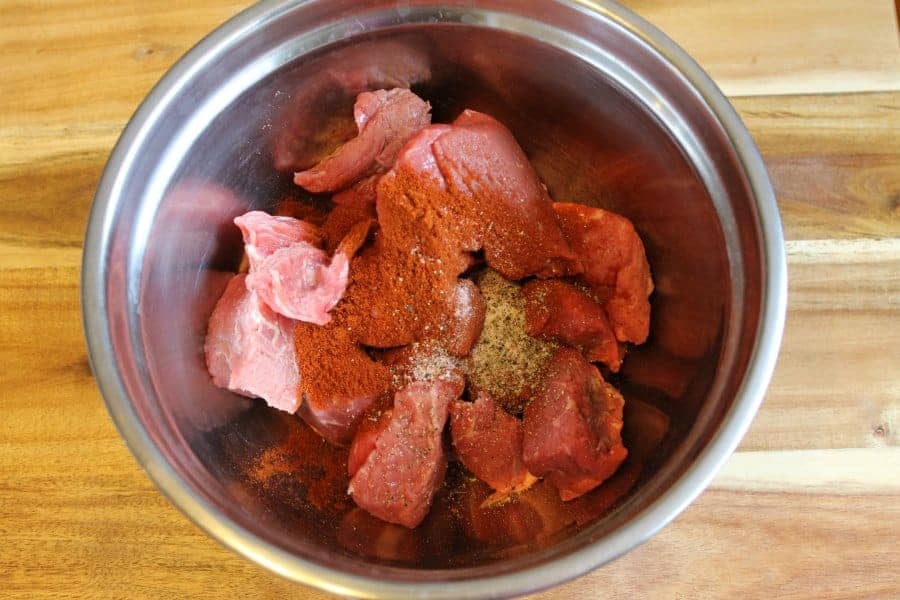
<point>808,508</point>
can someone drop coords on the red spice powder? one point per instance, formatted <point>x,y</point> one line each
<point>310,211</point>
<point>334,367</point>
<point>304,466</point>
<point>394,296</point>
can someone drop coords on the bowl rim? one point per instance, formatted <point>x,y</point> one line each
<point>650,520</point>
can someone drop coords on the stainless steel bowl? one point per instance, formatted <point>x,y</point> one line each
<point>611,112</point>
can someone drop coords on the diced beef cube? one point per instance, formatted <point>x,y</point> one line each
<point>386,119</point>
<point>264,234</point>
<point>418,155</point>
<point>317,118</point>
<point>573,426</point>
<point>299,281</point>
<point>614,263</point>
<point>399,478</point>
<point>482,161</point>
<point>472,187</point>
<point>488,441</point>
<point>250,349</point>
<point>558,311</point>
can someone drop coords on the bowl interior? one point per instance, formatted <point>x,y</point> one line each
<point>595,134</point>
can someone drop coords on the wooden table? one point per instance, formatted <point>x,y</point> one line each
<point>808,507</point>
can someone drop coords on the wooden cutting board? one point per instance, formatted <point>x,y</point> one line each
<point>809,507</point>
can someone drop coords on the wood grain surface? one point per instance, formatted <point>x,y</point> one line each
<point>809,507</point>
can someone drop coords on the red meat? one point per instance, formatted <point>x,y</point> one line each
<point>364,441</point>
<point>573,426</point>
<point>471,186</point>
<point>488,441</point>
<point>316,119</point>
<point>336,393</point>
<point>299,281</point>
<point>482,161</point>
<point>250,349</point>
<point>614,263</point>
<point>557,311</point>
<point>386,119</point>
<point>400,476</point>
<point>265,234</point>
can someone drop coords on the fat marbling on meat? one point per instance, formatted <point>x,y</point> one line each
<point>301,282</point>
<point>472,187</point>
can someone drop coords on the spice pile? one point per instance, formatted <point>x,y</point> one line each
<point>442,284</point>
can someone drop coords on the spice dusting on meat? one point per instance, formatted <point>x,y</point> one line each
<point>432,332</point>
<point>506,362</point>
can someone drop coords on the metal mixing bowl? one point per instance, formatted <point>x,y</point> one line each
<point>611,112</point>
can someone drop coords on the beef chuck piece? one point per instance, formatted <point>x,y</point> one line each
<point>573,426</point>
<point>488,441</point>
<point>398,479</point>
<point>317,118</point>
<point>386,119</point>
<point>614,263</point>
<point>471,186</point>
<point>264,234</point>
<point>250,349</point>
<point>482,161</point>
<point>300,282</point>
<point>557,311</point>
